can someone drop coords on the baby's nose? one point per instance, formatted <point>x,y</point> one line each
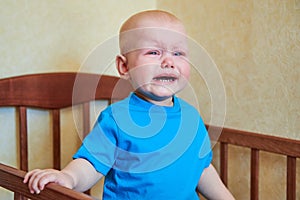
<point>167,62</point>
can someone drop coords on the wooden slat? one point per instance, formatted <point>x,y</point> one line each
<point>291,178</point>
<point>19,197</point>
<point>12,179</point>
<point>56,139</point>
<point>224,162</point>
<point>254,174</point>
<point>273,144</point>
<point>23,143</point>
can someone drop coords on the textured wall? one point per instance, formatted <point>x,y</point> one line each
<point>38,36</point>
<point>256,46</point>
<point>47,36</point>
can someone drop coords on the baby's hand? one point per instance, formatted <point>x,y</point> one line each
<point>37,179</point>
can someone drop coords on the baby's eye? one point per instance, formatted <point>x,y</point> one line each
<point>153,52</point>
<point>178,53</point>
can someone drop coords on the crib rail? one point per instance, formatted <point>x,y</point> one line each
<point>257,143</point>
<point>54,91</point>
<point>12,179</point>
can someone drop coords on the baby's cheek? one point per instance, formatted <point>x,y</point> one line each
<point>186,72</point>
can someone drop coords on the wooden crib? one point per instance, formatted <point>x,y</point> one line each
<point>55,91</point>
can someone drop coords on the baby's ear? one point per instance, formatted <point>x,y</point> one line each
<point>121,64</point>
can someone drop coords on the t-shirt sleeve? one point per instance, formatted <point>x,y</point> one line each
<point>205,152</point>
<point>208,159</point>
<point>99,146</point>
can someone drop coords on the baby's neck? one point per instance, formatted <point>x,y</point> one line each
<point>165,102</point>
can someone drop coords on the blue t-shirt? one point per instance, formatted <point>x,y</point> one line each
<point>147,151</point>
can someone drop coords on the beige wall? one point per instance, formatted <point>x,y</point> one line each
<point>256,47</point>
<point>46,36</point>
<point>255,44</point>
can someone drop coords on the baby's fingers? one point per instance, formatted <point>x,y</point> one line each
<point>40,179</point>
<point>29,174</point>
<point>37,179</point>
<point>29,177</point>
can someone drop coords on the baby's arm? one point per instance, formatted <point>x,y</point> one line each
<point>211,186</point>
<point>79,174</point>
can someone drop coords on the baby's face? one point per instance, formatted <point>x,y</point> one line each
<point>157,61</point>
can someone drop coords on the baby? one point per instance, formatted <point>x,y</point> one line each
<point>152,144</point>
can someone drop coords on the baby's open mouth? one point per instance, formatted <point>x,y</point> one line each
<point>165,78</point>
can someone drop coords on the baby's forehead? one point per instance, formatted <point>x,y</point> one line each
<point>165,43</point>
<point>162,38</point>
